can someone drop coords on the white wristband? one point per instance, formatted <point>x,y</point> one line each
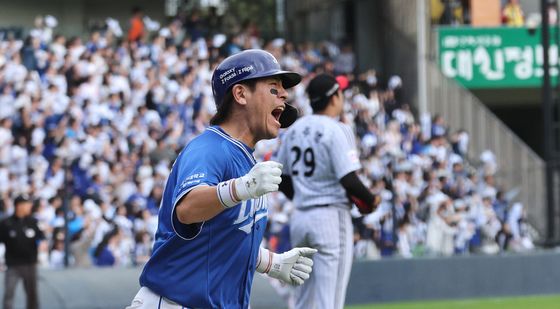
<point>225,193</point>
<point>264,261</point>
<point>241,187</point>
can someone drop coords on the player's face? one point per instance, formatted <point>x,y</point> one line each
<point>266,105</point>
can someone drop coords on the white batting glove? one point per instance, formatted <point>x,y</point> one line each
<point>263,178</point>
<point>292,267</point>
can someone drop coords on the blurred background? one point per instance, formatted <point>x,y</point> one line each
<point>454,104</point>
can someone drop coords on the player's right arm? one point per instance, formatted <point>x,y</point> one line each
<point>359,194</point>
<point>200,204</point>
<point>203,203</point>
<point>346,162</point>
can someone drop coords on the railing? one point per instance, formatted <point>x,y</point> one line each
<point>519,168</point>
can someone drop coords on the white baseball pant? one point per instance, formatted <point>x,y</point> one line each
<point>146,299</point>
<point>328,229</point>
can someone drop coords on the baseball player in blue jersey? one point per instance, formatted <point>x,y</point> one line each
<point>214,208</point>
<point>320,161</point>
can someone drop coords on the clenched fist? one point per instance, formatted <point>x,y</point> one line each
<point>263,178</point>
<point>292,267</point>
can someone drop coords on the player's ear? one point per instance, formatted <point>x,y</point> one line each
<point>239,93</point>
<point>332,100</point>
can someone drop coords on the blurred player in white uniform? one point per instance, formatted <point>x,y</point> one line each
<point>320,161</point>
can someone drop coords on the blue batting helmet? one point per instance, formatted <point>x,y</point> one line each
<point>251,64</point>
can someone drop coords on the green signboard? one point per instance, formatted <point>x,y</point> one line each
<point>495,57</point>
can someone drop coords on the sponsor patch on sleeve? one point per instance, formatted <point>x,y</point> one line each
<point>353,156</point>
<point>192,180</point>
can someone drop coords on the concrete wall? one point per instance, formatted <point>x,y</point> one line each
<point>371,282</point>
<point>369,35</point>
<point>74,16</point>
<point>22,13</point>
<point>358,20</point>
<point>315,20</point>
<point>399,44</point>
<point>530,6</point>
<point>454,278</point>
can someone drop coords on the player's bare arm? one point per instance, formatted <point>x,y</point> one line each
<point>204,203</point>
<point>201,204</point>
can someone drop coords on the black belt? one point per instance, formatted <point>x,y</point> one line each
<point>313,207</point>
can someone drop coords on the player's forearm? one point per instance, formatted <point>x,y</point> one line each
<point>201,204</point>
<point>287,187</point>
<point>204,203</point>
<point>354,186</point>
<point>360,195</point>
<point>264,260</point>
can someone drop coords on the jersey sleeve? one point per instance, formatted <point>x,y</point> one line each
<point>344,155</point>
<point>197,166</point>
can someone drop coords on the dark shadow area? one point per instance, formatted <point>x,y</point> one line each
<point>526,122</point>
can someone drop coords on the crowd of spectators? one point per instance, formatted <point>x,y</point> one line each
<point>512,13</point>
<point>94,125</point>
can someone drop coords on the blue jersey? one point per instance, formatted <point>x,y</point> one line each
<point>209,264</point>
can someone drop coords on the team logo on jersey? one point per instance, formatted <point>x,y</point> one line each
<point>250,212</point>
<point>29,233</point>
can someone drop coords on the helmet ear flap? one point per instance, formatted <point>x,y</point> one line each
<point>289,116</point>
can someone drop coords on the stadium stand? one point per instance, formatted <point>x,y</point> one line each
<point>98,123</point>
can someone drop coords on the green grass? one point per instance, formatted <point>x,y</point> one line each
<point>529,302</point>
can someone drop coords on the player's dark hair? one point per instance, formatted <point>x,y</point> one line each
<point>224,109</point>
<point>322,103</point>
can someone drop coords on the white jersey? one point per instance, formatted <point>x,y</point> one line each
<point>317,151</point>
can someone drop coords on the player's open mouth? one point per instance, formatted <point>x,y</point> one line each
<point>277,112</point>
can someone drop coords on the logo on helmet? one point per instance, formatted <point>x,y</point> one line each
<point>234,72</point>
<point>227,75</point>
